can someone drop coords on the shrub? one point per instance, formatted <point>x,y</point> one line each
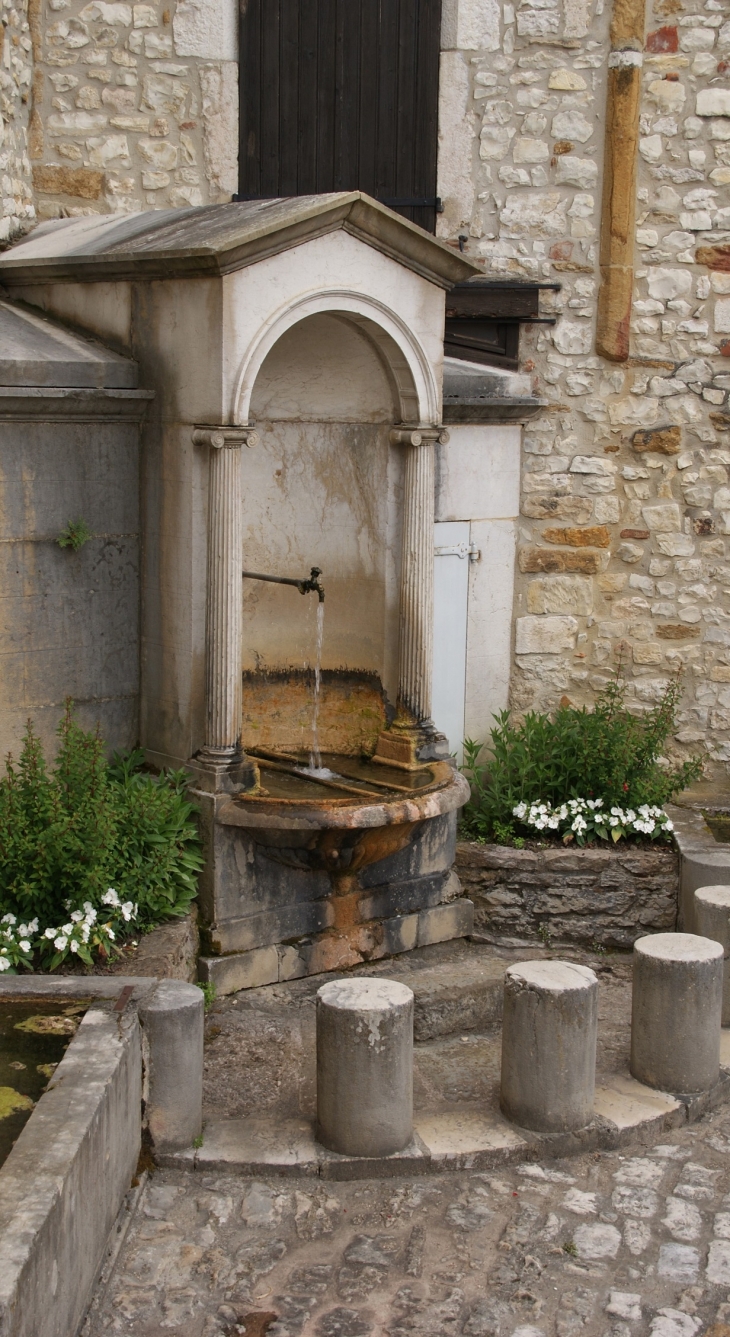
<point>88,830</point>
<point>606,753</point>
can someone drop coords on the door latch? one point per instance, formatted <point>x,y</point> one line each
<point>461,550</point>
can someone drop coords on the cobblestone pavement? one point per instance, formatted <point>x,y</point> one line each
<point>613,1244</point>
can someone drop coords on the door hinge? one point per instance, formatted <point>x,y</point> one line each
<point>461,550</point>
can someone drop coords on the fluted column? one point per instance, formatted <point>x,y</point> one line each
<point>224,599</point>
<point>413,727</point>
<point>416,590</point>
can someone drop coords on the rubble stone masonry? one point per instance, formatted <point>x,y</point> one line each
<point>626,474</point>
<point>16,74</point>
<point>134,105</point>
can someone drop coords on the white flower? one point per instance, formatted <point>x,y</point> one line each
<point>67,929</point>
<point>24,945</point>
<point>4,963</point>
<point>74,945</point>
<point>520,810</point>
<point>85,931</point>
<point>60,944</point>
<point>579,823</point>
<point>50,933</point>
<point>630,815</point>
<point>668,826</point>
<point>8,919</point>
<point>110,898</point>
<point>110,933</point>
<point>129,909</point>
<point>613,821</point>
<point>77,916</point>
<point>33,926</point>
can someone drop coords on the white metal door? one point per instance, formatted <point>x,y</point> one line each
<point>450,599</point>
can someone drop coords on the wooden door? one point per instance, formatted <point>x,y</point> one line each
<point>341,95</point>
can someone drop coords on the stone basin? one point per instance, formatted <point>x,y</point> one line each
<point>314,878</point>
<point>340,833</point>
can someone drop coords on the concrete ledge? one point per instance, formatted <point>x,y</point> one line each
<point>625,1114</point>
<point>64,1180</point>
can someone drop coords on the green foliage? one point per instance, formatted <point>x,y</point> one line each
<point>75,535</point>
<point>605,753</point>
<point>68,835</point>
<point>208,992</point>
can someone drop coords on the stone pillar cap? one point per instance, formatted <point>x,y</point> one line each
<point>556,976</point>
<point>365,995</point>
<point>678,947</point>
<point>715,895</point>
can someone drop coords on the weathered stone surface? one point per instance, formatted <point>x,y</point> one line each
<point>545,635</point>
<point>591,895</point>
<point>547,559</point>
<point>677,631</point>
<point>560,594</point>
<point>595,536</point>
<point>578,509</point>
<point>83,182</point>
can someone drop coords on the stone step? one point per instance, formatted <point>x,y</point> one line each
<point>452,998</point>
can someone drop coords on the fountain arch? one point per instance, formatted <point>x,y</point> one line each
<point>402,353</point>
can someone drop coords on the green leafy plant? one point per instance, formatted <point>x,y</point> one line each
<point>606,753</point>
<point>87,842</point>
<point>75,535</point>
<point>208,991</point>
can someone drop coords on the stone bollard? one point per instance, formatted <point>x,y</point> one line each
<point>365,1066</point>
<point>549,1045</point>
<point>712,920</point>
<point>676,1012</point>
<point>172,1027</point>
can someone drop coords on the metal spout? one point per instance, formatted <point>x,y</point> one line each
<point>304,586</point>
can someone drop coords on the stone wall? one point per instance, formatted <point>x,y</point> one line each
<point>608,897</point>
<point>623,546</point>
<point>135,106</point>
<point>16,75</point>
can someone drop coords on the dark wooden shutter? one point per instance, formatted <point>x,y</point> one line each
<point>341,95</point>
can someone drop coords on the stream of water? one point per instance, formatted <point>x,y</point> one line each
<point>315,755</point>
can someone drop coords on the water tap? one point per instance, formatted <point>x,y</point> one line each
<point>314,583</point>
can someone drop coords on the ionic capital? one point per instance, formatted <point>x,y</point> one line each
<point>225,438</point>
<point>418,436</point>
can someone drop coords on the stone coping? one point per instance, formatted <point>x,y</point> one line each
<point>703,861</point>
<point>67,1176</point>
<point>625,1113</point>
<point>85,1130</point>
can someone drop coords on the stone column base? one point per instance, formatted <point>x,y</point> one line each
<point>411,746</point>
<point>218,774</point>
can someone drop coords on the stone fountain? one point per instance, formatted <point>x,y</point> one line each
<point>295,351</point>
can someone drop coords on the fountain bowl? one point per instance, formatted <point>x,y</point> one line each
<point>311,878</point>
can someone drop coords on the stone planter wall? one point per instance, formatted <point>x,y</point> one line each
<point>609,897</point>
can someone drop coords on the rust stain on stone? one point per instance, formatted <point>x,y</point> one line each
<point>663,39</point>
<point>715,257</point>
<point>634,533</point>
<point>277,710</point>
<point>659,440</point>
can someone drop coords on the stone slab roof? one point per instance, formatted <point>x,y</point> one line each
<point>217,239</point>
<point>35,352</point>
